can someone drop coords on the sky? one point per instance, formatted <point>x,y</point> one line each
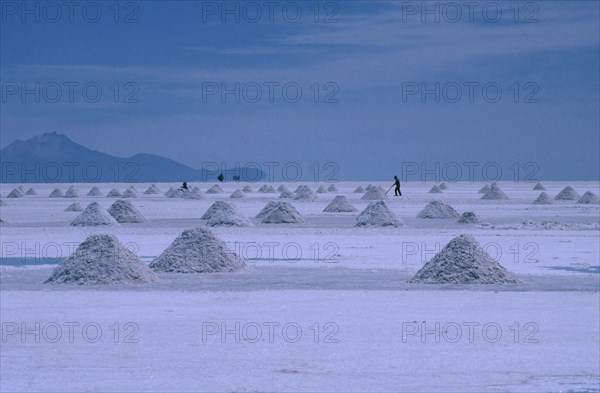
<point>343,90</point>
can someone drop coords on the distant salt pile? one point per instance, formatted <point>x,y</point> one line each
<point>114,193</point>
<point>247,189</point>
<point>198,250</point>
<point>196,190</point>
<point>16,193</point>
<point>281,213</point>
<point>31,192</point>
<point>74,207</point>
<point>170,192</point>
<point>93,215</point>
<point>374,194</point>
<point>281,188</point>
<point>443,186</point>
<point>102,260</point>
<point>539,187</point>
<point>543,199</point>
<point>219,207</point>
<point>214,190</point>
<point>589,198</point>
<point>267,188</point>
<point>2,203</point>
<point>22,189</point>
<point>435,190</point>
<point>130,193</point>
<point>237,194</point>
<point>152,190</point>
<point>94,191</point>
<point>56,193</point>
<point>340,204</point>
<point>184,194</point>
<point>567,194</point>
<point>304,193</point>
<point>463,261</point>
<point>484,189</point>
<point>368,188</point>
<point>321,190</point>
<point>495,193</point>
<point>124,212</point>
<point>438,210</point>
<point>72,192</point>
<point>359,190</point>
<point>468,218</point>
<point>377,214</point>
<point>263,188</point>
<point>225,214</point>
<point>286,194</point>
<point>332,188</point>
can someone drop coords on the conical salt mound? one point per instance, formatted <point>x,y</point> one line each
<point>468,218</point>
<point>2,203</point>
<point>218,208</point>
<point>281,188</point>
<point>495,193</point>
<point>484,189</point>
<point>304,193</point>
<point>237,194</point>
<point>267,189</point>
<point>225,214</point>
<point>130,193</point>
<point>196,190</point>
<point>359,190</point>
<point>198,250</point>
<point>56,193</point>
<point>377,214</point>
<point>286,194</point>
<point>247,189</point>
<point>74,207</point>
<point>94,191</point>
<point>102,260</point>
<point>463,261</point>
<point>16,193</point>
<point>543,199</point>
<point>271,190</point>
<point>539,187</point>
<point>332,188</point>
<point>113,194</point>
<point>443,186</point>
<point>72,193</point>
<point>31,192</point>
<point>374,194</point>
<point>22,189</point>
<point>184,194</point>
<point>567,194</point>
<point>152,190</point>
<point>435,190</point>
<point>281,213</point>
<point>340,204</point>
<point>368,188</point>
<point>589,198</point>
<point>214,190</point>
<point>438,209</point>
<point>93,215</point>
<point>170,192</point>
<point>124,212</point>
<point>321,190</point>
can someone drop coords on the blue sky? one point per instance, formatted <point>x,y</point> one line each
<point>362,61</point>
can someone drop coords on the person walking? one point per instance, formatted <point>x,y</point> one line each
<point>397,191</point>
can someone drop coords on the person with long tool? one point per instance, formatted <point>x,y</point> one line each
<point>397,191</point>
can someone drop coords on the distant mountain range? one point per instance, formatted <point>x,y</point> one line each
<point>54,158</point>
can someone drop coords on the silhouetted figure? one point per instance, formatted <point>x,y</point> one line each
<point>397,191</point>
<point>184,186</point>
<point>221,177</point>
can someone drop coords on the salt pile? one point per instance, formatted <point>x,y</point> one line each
<point>438,209</point>
<point>567,194</point>
<point>321,190</point>
<point>267,189</point>
<point>152,190</point>
<point>286,194</point>
<point>280,213</point>
<point>463,261</point>
<point>102,260</point>
<point>113,194</point>
<point>588,198</point>
<point>247,189</point>
<point>377,214</point>
<point>237,194</point>
<point>484,189</point>
<point>332,188</point>
<point>359,190</point>
<point>339,204</point>
<point>468,218</point>
<point>374,194</point>
<point>130,193</point>
<point>169,192</point>
<point>56,193</point>
<point>184,194</point>
<point>443,186</point>
<point>93,215</point>
<point>2,203</point>
<point>435,190</point>
<point>16,193</point>
<point>539,187</point>
<point>94,191</point>
<point>304,193</point>
<point>495,193</point>
<point>198,250</point>
<point>219,207</point>
<point>31,191</point>
<point>124,212</point>
<point>196,190</point>
<point>225,214</point>
<point>72,193</point>
<point>543,199</point>
<point>368,188</point>
<point>214,190</point>
<point>74,207</point>
<point>281,188</point>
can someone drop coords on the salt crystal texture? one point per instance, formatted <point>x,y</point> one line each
<point>377,214</point>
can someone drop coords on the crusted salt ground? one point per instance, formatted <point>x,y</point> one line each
<point>539,187</point>
<point>94,191</point>
<point>377,214</point>
<point>374,194</point>
<point>93,215</point>
<point>589,198</point>
<point>152,190</point>
<point>339,204</point>
<point>304,193</point>
<point>237,194</point>
<point>567,194</point>
<point>438,209</point>
<point>468,218</point>
<point>495,193</point>
<point>56,193</point>
<point>114,193</point>
<point>72,192</point>
<point>359,190</point>
<point>124,212</point>
<point>74,207</point>
<point>543,199</point>
<point>435,190</point>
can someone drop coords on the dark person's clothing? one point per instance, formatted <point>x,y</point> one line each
<point>397,191</point>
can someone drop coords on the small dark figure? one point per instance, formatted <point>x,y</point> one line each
<point>397,191</point>
<point>236,178</point>
<point>221,177</point>
<point>184,186</point>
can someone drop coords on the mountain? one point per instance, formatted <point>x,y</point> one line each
<point>54,158</point>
